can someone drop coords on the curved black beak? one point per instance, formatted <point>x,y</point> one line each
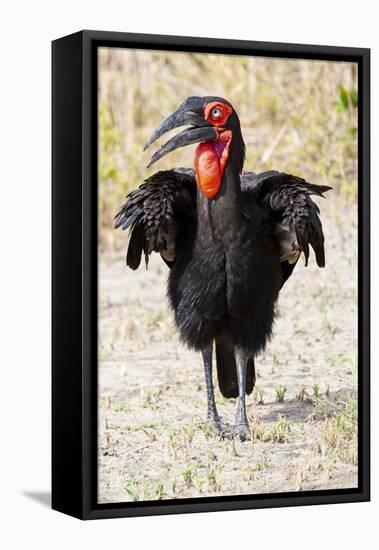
<point>185,115</point>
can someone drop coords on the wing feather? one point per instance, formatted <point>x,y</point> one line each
<point>154,213</point>
<point>289,198</point>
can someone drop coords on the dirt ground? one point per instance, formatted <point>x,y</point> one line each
<point>153,441</point>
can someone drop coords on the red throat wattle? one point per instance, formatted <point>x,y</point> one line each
<point>210,160</point>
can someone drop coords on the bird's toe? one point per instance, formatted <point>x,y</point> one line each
<point>222,429</point>
<point>242,431</point>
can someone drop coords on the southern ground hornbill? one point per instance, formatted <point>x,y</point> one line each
<point>231,239</point>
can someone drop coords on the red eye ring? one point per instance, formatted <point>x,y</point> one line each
<point>221,117</point>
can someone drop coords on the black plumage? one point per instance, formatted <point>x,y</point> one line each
<point>229,255</point>
<point>154,211</point>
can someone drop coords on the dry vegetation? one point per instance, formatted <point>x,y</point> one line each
<point>297,116</point>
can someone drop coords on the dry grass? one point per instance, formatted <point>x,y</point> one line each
<point>340,432</point>
<point>153,439</point>
<point>297,116</point>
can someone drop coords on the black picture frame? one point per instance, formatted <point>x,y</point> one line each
<point>74,272</point>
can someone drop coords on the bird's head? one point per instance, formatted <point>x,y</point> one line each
<point>214,124</point>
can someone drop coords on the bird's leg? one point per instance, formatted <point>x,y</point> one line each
<point>212,415</point>
<point>241,427</point>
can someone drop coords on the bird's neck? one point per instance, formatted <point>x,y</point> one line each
<point>220,218</point>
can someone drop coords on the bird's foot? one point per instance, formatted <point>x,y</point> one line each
<point>222,429</point>
<point>242,431</point>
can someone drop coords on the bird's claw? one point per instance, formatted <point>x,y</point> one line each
<point>226,431</point>
<point>222,429</point>
<point>242,431</point>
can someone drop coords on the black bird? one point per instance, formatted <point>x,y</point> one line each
<point>231,239</point>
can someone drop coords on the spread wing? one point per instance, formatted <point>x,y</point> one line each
<point>298,224</point>
<point>155,213</point>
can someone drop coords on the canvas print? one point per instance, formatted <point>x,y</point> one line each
<point>227,246</point>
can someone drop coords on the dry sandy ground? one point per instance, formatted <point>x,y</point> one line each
<point>153,441</point>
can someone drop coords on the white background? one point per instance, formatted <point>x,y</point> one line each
<point>26,31</point>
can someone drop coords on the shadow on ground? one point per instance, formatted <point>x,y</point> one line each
<point>41,497</point>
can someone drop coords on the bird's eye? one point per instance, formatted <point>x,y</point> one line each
<point>216,113</point>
